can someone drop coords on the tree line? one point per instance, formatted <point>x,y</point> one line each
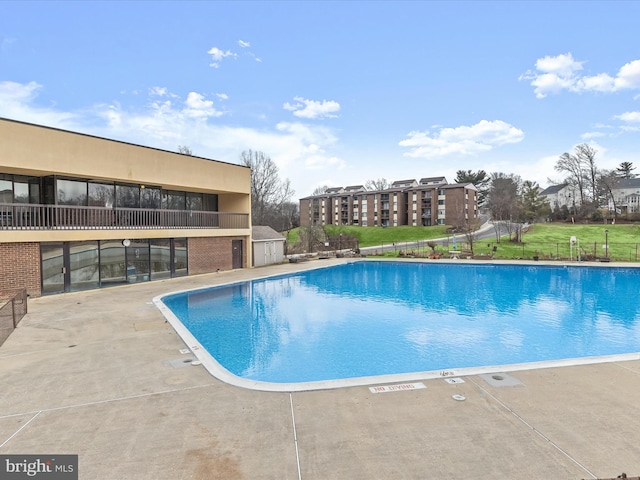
<point>506,197</point>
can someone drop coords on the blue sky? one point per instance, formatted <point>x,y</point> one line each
<point>335,93</point>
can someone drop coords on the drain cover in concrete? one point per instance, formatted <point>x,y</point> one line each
<point>453,381</point>
<point>500,380</point>
<point>180,362</point>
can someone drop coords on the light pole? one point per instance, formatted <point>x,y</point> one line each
<point>606,243</point>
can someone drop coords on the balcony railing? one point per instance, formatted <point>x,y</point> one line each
<point>69,217</point>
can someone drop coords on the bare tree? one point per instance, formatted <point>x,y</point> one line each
<point>504,203</point>
<point>571,166</point>
<point>268,192</point>
<point>379,184</point>
<point>320,190</point>
<point>183,149</point>
<point>581,171</point>
<point>465,225</point>
<point>609,180</point>
<point>312,238</point>
<point>587,157</point>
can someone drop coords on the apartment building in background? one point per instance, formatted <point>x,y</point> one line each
<point>429,201</point>
<point>80,212</point>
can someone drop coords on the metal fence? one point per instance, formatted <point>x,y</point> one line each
<point>68,217</point>
<point>13,306</point>
<point>562,251</point>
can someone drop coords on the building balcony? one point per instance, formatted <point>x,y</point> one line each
<point>21,216</point>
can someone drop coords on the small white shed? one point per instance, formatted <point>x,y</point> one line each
<point>268,246</point>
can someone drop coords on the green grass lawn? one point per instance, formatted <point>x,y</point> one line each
<point>552,241</point>
<point>373,236</point>
<point>547,240</point>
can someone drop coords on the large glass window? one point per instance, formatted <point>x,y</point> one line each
<point>52,267</point>
<point>84,265</point>
<point>6,191</point>
<point>20,190</point>
<point>138,261</point>
<point>194,201</point>
<point>101,195</point>
<point>71,192</point>
<point>150,197</point>
<point>160,258</point>
<point>113,269</point>
<point>180,256</point>
<point>34,190</point>
<point>210,202</point>
<point>173,200</point>
<point>127,196</point>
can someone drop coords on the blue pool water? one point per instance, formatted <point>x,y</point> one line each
<point>372,318</point>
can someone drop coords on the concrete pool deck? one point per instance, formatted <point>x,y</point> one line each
<point>100,374</point>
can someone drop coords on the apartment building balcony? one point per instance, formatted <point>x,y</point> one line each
<point>20,216</point>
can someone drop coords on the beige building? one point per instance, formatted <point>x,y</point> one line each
<point>80,212</point>
<point>430,201</point>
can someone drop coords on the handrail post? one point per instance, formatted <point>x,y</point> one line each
<point>13,311</point>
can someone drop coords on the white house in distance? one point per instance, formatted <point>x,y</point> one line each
<point>268,246</point>
<point>563,195</point>
<point>626,195</point>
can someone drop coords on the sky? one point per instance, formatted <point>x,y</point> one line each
<point>335,92</point>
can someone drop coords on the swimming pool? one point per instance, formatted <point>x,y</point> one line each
<point>378,321</point>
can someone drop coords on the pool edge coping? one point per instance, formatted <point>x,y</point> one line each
<point>219,372</point>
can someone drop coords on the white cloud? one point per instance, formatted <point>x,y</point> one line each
<point>596,83</point>
<point>562,72</point>
<point>222,96</point>
<point>167,120</point>
<point>313,109</point>
<point>561,65</point>
<point>218,55</point>
<point>629,117</point>
<point>16,101</point>
<point>588,135</point>
<point>243,44</point>
<point>463,140</point>
<point>159,91</point>
<point>199,107</point>
<point>629,75</point>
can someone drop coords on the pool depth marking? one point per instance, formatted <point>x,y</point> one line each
<point>400,387</point>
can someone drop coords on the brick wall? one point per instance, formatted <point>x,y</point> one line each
<point>209,254</point>
<point>20,267</point>
<point>305,212</point>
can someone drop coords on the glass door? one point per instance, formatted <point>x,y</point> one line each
<point>55,268</point>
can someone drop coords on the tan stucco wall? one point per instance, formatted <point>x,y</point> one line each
<point>34,150</point>
<point>13,236</point>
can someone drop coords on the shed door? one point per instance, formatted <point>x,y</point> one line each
<point>236,253</point>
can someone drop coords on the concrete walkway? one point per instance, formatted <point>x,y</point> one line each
<point>100,374</point>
